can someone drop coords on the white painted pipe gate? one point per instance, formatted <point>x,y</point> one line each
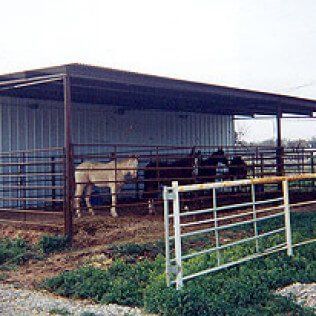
<point>257,211</point>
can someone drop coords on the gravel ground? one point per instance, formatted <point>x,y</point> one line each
<point>21,302</point>
<point>303,294</point>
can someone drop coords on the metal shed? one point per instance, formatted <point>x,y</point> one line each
<point>75,104</point>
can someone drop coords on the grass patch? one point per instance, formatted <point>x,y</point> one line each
<point>243,290</point>
<point>3,276</point>
<point>51,244</point>
<point>59,311</point>
<point>15,252</point>
<point>132,252</point>
<point>87,314</point>
<point>121,283</point>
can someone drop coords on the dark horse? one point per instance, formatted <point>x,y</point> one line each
<point>208,168</point>
<point>161,172</point>
<point>237,168</point>
<point>188,170</point>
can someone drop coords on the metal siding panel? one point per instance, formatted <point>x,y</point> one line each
<point>25,127</point>
<point>5,129</point>
<point>1,124</point>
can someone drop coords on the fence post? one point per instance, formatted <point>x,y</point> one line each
<point>254,215</point>
<point>167,237</point>
<point>312,166</point>
<point>53,171</point>
<point>69,162</point>
<point>280,163</point>
<point>177,234</point>
<point>287,217</point>
<point>23,180</point>
<point>218,255</point>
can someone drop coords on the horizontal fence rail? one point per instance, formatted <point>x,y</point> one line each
<point>160,165</point>
<point>34,179</point>
<point>182,226</point>
<point>32,187</point>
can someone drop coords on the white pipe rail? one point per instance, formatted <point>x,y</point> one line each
<point>174,266</point>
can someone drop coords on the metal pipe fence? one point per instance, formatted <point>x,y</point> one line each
<point>265,218</point>
<point>159,165</point>
<point>34,180</point>
<point>32,187</point>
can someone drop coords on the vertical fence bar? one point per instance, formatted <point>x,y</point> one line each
<point>69,172</point>
<point>53,171</point>
<point>254,215</point>
<point>137,186</point>
<point>261,165</point>
<point>177,234</point>
<point>287,217</point>
<point>312,167</point>
<point>216,226</point>
<point>167,237</point>
<point>253,165</point>
<point>158,169</point>
<point>23,181</point>
<point>114,195</point>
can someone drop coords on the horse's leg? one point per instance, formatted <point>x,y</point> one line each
<point>78,195</point>
<point>88,197</point>
<point>151,206</point>
<point>151,186</point>
<point>113,192</point>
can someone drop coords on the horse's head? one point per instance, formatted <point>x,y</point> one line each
<point>220,157</point>
<point>237,160</point>
<point>132,166</point>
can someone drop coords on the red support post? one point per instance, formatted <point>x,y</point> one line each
<point>69,172</point>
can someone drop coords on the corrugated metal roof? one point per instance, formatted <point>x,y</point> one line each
<point>91,84</point>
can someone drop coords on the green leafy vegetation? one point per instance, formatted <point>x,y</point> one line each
<point>50,244</point>
<point>14,252</point>
<point>87,314</point>
<point>243,290</point>
<point>121,283</point>
<point>59,311</point>
<point>132,252</point>
<point>236,291</point>
<point>3,276</point>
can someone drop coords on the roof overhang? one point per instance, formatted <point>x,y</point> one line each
<point>97,85</point>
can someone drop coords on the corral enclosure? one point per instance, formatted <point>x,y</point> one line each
<point>53,119</point>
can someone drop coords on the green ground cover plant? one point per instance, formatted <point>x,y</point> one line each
<point>14,252</point>
<point>51,244</point>
<point>247,289</point>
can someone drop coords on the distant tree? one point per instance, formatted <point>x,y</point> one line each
<point>312,142</point>
<point>240,136</point>
<point>300,143</point>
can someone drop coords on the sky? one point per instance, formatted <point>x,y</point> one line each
<point>265,45</point>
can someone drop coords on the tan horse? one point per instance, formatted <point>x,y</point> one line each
<point>112,175</point>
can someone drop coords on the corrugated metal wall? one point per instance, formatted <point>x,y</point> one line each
<point>27,124</point>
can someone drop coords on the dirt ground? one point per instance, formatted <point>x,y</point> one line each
<point>97,230</point>
<point>92,237</point>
